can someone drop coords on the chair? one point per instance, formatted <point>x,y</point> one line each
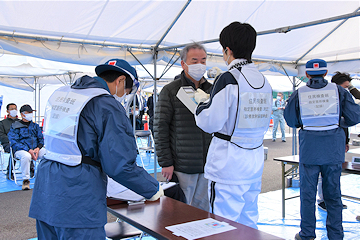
<point>121,230</point>
<point>141,137</point>
<point>14,169</point>
<point>2,159</point>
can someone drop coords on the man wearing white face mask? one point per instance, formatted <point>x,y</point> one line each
<point>5,125</point>
<point>278,115</point>
<point>180,145</point>
<point>88,137</point>
<point>27,142</point>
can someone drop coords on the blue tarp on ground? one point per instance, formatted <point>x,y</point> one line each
<point>270,219</point>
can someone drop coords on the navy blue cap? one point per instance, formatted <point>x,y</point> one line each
<point>117,65</point>
<point>316,67</point>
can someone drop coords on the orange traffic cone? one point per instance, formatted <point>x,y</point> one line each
<point>271,122</point>
<point>146,124</point>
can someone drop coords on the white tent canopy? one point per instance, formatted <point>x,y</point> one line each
<point>91,32</point>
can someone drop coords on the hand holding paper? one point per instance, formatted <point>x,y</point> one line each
<point>201,96</point>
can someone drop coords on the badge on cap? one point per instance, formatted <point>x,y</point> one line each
<point>112,63</point>
<point>316,65</point>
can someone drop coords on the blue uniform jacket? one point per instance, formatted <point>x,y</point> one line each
<point>75,197</point>
<point>23,137</point>
<point>278,113</point>
<point>322,147</point>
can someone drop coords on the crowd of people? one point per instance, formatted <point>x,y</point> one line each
<point>216,153</point>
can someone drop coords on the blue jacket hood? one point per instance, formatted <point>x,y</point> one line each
<point>18,124</point>
<point>90,82</point>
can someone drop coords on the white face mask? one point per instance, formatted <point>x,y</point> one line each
<point>28,116</point>
<point>278,98</point>
<point>120,99</point>
<point>13,113</point>
<point>196,71</point>
<point>137,112</point>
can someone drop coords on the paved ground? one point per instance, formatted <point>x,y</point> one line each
<point>14,206</point>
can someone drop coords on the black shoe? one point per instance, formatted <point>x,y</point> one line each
<point>274,140</point>
<point>12,176</point>
<point>322,206</point>
<point>297,237</point>
<point>283,140</point>
<point>32,169</point>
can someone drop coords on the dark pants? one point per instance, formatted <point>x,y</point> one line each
<point>151,124</point>
<point>48,232</point>
<point>309,175</point>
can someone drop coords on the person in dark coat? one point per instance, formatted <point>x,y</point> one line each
<point>180,145</point>
<point>5,125</point>
<point>27,142</point>
<point>150,112</point>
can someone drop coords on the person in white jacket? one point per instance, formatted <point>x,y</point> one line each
<point>238,114</point>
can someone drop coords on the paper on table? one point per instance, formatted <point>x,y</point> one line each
<point>117,191</point>
<point>114,188</point>
<point>166,185</point>
<point>201,228</point>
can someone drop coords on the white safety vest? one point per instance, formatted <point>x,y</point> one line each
<point>61,123</point>
<point>319,108</point>
<point>253,112</point>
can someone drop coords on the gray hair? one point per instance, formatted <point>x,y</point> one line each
<point>183,53</point>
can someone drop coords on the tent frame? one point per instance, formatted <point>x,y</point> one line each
<point>154,50</point>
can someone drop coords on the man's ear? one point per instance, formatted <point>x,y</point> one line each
<point>229,52</point>
<point>121,78</point>
<point>182,64</point>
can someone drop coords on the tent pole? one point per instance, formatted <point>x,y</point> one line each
<point>294,143</point>
<point>35,97</point>
<point>155,100</point>
<point>326,36</point>
<point>281,29</point>
<point>129,50</point>
<point>171,25</point>
<point>39,103</point>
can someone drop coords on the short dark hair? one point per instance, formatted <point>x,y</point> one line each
<point>129,82</point>
<point>339,78</point>
<point>240,38</point>
<point>8,106</point>
<point>110,76</point>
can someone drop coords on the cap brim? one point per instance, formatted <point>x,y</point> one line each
<point>28,111</point>
<point>105,67</point>
<point>320,72</point>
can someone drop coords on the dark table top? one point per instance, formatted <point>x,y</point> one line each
<point>347,167</point>
<point>153,217</point>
